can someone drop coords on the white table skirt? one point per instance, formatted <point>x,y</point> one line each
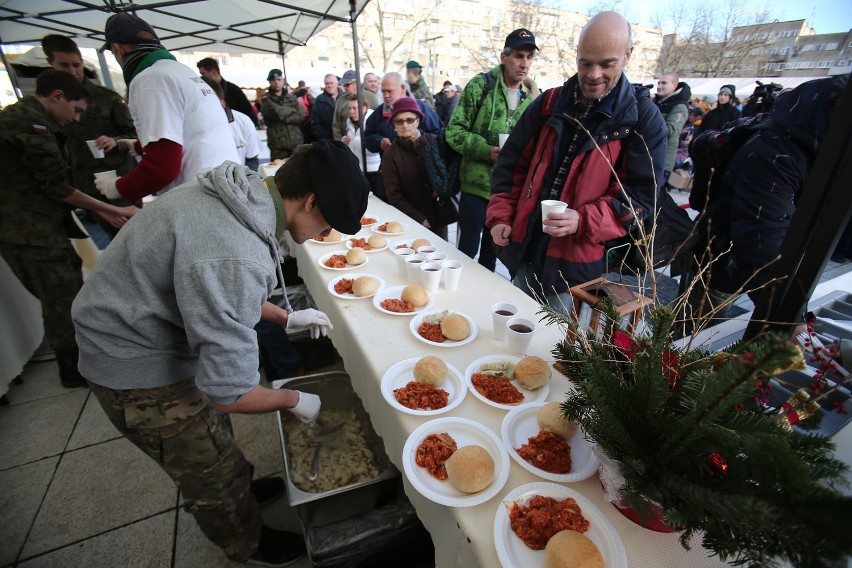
<point>21,326</point>
<point>370,342</point>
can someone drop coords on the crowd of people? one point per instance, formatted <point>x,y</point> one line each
<point>165,330</point>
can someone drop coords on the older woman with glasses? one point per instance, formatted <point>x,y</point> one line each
<point>404,171</point>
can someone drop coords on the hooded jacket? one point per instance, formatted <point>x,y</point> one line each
<point>717,118</point>
<point>179,290</point>
<point>675,109</point>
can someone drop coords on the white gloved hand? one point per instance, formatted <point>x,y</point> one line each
<point>314,320</point>
<point>308,407</point>
<point>108,188</point>
<point>129,144</point>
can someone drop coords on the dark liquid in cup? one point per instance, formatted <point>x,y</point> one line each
<point>504,313</point>
<point>431,270</point>
<point>415,261</point>
<point>520,328</point>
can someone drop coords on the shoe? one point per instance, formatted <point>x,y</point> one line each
<point>70,382</point>
<point>278,548</point>
<point>267,489</point>
<point>69,376</point>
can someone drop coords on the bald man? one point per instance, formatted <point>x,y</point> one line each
<point>548,156</point>
<point>673,100</point>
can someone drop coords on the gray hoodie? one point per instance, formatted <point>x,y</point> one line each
<point>178,292</point>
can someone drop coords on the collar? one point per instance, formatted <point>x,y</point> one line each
<point>44,116</point>
<point>278,202</point>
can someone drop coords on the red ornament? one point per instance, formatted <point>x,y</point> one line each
<point>717,464</point>
<point>624,343</point>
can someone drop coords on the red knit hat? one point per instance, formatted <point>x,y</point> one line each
<point>406,104</point>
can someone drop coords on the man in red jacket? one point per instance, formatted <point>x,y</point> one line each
<point>592,144</point>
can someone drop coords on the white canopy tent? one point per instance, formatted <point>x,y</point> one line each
<point>745,86</point>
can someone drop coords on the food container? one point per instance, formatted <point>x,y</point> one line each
<point>326,506</point>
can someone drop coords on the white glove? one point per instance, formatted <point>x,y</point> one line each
<point>308,407</point>
<point>129,144</point>
<point>108,188</point>
<point>314,320</point>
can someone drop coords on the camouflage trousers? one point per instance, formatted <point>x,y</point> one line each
<point>54,276</point>
<point>175,426</point>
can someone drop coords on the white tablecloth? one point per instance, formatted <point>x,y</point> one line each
<point>20,324</point>
<point>370,342</point>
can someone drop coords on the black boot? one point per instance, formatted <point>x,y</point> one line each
<point>69,376</point>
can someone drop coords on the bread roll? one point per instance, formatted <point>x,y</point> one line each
<point>377,241</point>
<point>470,469</point>
<point>393,227</point>
<point>455,327</point>
<point>420,243</point>
<point>430,371</point>
<point>333,236</point>
<point>415,294</point>
<point>356,255</point>
<point>551,419</point>
<point>365,286</point>
<point>570,549</point>
<point>532,372</point>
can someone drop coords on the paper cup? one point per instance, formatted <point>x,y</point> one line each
<point>413,263</point>
<point>502,138</point>
<point>452,273</point>
<point>436,257</point>
<point>502,312</point>
<point>96,152</point>
<point>551,206</point>
<point>519,332</point>
<point>430,273</point>
<point>401,255</point>
<point>426,249</point>
<point>112,174</point>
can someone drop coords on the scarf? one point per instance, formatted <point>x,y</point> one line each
<point>145,55</point>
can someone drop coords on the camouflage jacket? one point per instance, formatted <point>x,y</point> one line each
<point>106,114</point>
<point>282,114</point>
<point>421,91</point>
<point>33,177</point>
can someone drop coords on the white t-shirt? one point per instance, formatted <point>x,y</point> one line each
<point>168,100</point>
<point>374,160</point>
<point>245,137</point>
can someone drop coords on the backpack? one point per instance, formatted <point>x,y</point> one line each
<point>443,164</point>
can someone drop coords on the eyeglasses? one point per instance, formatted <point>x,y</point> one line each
<point>401,121</point>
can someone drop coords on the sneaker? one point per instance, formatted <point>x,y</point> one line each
<point>267,490</point>
<point>278,548</point>
<point>73,381</point>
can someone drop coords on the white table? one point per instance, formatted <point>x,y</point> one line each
<point>21,325</point>
<point>370,342</point>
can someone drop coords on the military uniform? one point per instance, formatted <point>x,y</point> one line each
<point>421,91</point>
<point>282,114</point>
<point>35,222</point>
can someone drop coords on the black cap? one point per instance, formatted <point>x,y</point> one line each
<point>339,185</point>
<point>274,73</point>
<point>123,27</point>
<point>520,38</point>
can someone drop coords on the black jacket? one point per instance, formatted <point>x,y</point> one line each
<point>322,116</point>
<point>236,99</point>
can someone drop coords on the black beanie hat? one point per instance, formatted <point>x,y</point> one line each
<point>339,185</point>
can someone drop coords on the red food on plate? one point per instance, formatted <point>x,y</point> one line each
<point>397,305</point>
<point>336,261</point>
<point>402,246</point>
<point>421,397</point>
<point>383,227</point>
<point>543,517</point>
<point>360,242</point>
<point>344,286</point>
<point>433,452</point>
<point>367,220</point>
<point>547,451</point>
<point>496,389</point>
<point>431,332</point>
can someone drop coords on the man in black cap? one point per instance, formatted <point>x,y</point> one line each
<point>724,112</point>
<point>171,364</point>
<point>283,114</point>
<point>419,88</point>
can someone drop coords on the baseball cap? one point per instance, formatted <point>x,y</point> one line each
<point>449,88</point>
<point>274,73</point>
<point>123,27</point>
<point>348,77</point>
<point>339,185</point>
<point>412,64</point>
<point>519,38</point>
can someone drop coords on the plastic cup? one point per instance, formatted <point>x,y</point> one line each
<point>96,152</point>
<point>430,274</point>
<point>501,312</point>
<point>412,267</point>
<point>401,255</point>
<point>551,206</point>
<point>519,332</point>
<point>426,249</point>
<point>502,137</point>
<point>452,273</point>
<point>111,174</point>
<point>436,257</point>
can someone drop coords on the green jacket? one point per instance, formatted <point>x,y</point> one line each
<point>33,177</point>
<point>474,141</point>
<point>282,114</point>
<point>674,124</point>
<point>106,114</point>
<point>421,91</point>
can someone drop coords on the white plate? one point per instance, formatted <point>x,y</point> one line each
<point>343,239</point>
<point>512,551</point>
<point>537,395</point>
<point>337,279</point>
<point>349,246</point>
<point>376,217</point>
<point>418,319</point>
<point>520,424</point>
<point>466,433</point>
<point>403,373</point>
<point>375,229</point>
<point>396,292</point>
<point>328,255</point>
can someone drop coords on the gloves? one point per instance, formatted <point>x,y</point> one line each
<point>316,321</point>
<point>108,188</point>
<point>308,407</point>
<point>129,144</point>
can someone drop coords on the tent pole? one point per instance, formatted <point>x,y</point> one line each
<point>283,64</point>
<point>107,77</point>
<point>352,16</point>
<point>11,72</point>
